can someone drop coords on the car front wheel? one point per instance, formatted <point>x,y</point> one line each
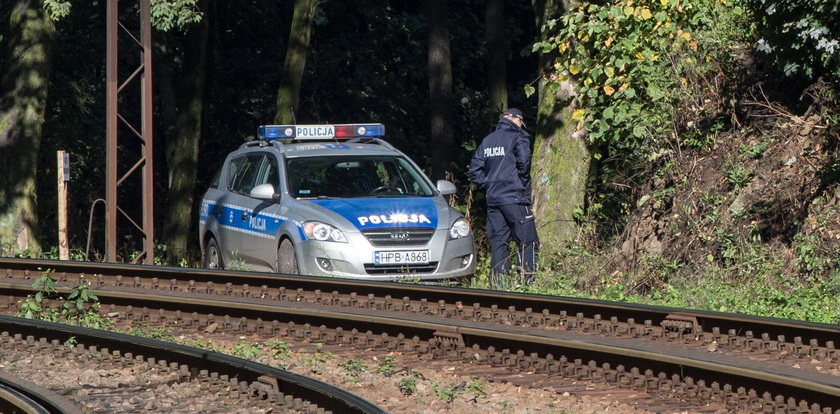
<point>212,255</point>
<point>286,259</point>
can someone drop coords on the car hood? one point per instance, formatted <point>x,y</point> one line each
<point>371,213</point>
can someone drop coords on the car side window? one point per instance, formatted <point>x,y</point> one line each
<point>268,173</point>
<point>243,172</point>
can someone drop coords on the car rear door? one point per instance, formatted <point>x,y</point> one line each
<point>235,217</point>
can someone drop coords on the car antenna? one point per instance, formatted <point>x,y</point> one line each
<point>292,111</point>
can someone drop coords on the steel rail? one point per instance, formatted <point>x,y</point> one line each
<point>319,393</point>
<point>669,358</point>
<point>706,321</point>
<point>18,395</point>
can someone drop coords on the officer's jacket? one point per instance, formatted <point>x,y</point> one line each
<point>501,165</point>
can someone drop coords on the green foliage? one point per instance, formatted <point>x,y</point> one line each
<point>148,331</point>
<point>169,14</point>
<point>32,307</point>
<point>199,343</point>
<point>807,256</point>
<point>476,388</point>
<point>315,363</point>
<point>387,366</point>
<point>81,307</point>
<point>57,9</point>
<point>408,385</point>
<point>800,37</point>
<point>447,393</point>
<point>736,174</point>
<point>353,367</point>
<point>635,62</point>
<point>278,349</point>
<point>751,279</point>
<point>247,350</point>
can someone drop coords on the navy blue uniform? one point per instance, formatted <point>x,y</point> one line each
<point>501,166</point>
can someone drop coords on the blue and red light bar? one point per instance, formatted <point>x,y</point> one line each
<point>321,132</point>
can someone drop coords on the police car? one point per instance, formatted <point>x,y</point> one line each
<point>332,200</point>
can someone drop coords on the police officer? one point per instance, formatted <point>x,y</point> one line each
<point>501,166</point>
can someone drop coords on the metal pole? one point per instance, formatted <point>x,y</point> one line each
<point>111,133</point>
<point>113,88</point>
<point>146,130</point>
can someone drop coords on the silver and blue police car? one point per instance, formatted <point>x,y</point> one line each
<point>332,200</point>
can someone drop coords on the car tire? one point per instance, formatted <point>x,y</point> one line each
<point>286,258</point>
<point>212,255</point>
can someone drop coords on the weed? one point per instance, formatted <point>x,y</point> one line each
<point>203,344</point>
<point>316,362</point>
<point>476,388</point>
<point>81,307</point>
<point>278,349</point>
<point>736,175</point>
<point>145,330</point>
<point>447,393</point>
<point>247,350</point>
<point>504,406</point>
<point>354,367</point>
<point>407,385</point>
<point>388,365</point>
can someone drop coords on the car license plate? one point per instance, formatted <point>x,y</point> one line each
<point>401,257</point>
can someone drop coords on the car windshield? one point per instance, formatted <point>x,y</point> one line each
<point>355,176</point>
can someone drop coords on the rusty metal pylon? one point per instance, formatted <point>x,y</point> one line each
<point>143,75</point>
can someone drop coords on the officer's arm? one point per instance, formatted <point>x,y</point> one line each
<point>522,153</point>
<point>476,170</point>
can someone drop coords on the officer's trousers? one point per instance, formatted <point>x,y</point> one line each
<point>516,222</point>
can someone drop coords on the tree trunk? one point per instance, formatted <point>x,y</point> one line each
<point>23,95</point>
<point>183,133</point>
<point>440,87</point>
<point>497,49</point>
<point>561,152</point>
<point>293,66</point>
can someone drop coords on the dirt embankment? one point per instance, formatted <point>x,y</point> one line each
<point>771,179</point>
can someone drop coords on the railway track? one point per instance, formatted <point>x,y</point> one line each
<point>744,363</point>
<point>241,383</point>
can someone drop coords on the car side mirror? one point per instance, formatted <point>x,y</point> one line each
<point>265,192</point>
<point>445,187</point>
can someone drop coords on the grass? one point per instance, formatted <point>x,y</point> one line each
<point>757,283</point>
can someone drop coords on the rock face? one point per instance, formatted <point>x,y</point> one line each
<point>774,182</point>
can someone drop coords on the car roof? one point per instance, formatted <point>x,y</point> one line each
<point>324,148</point>
<point>339,148</point>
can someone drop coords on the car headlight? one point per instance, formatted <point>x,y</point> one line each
<point>323,232</point>
<point>461,228</point>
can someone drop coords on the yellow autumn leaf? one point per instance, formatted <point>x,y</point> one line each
<point>654,58</point>
<point>639,55</point>
<point>574,70</point>
<point>608,41</point>
<point>687,36</point>
<point>563,47</point>
<point>646,14</point>
<point>578,114</point>
<point>664,2</point>
<point>609,90</point>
